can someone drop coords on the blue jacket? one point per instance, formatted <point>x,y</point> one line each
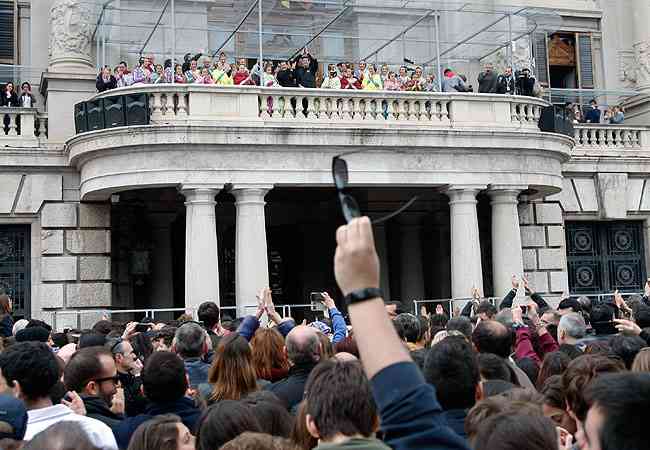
<point>339,329</point>
<point>250,324</point>
<point>411,417</point>
<point>197,371</point>
<point>183,407</point>
<point>456,420</point>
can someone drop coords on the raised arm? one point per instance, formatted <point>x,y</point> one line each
<point>411,417</point>
<point>339,328</point>
<point>534,296</point>
<point>510,296</point>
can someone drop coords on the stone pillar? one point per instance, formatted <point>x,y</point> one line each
<point>71,31</point>
<point>201,253</point>
<point>251,258</point>
<point>507,257</point>
<point>412,277</point>
<point>641,18</point>
<point>381,244</point>
<point>466,270</point>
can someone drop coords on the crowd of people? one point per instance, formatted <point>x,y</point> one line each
<point>614,115</point>
<point>303,71</point>
<point>520,375</point>
<point>12,98</point>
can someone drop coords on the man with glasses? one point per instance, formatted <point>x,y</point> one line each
<point>128,371</point>
<point>91,372</point>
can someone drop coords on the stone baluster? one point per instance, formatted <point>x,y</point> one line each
<point>13,128</point>
<point>311,109</point>
<point>156,106</point>
<point>390,110</point>
<point>182,110</point>
<point>403,110</point>
<point>27,123</point>
<point>42,123</point>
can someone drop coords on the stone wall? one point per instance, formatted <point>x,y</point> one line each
<point>542,241</point>
<point>75,262</point>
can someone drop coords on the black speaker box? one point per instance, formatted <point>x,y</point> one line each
<point>137,109</point>
<point>95,114</point>
<point>114,111</point>
<point>80,118</point>
<point>556,119</point>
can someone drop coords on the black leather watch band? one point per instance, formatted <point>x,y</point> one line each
<point>361,295</point>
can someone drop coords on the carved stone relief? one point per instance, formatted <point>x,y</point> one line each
<point>70,32</point>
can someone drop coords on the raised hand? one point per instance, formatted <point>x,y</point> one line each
<point>76,404</point>
<point>440,309</point>
<point>515,282</point>
<point>328,301</point>
<point>627,327</point>
<point>517,315</point>
<point>356,264</point>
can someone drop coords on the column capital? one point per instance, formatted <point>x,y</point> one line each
<point>503,193</point>
<point>463,193</point>
<point>199,195</point>
<point>246,194</point>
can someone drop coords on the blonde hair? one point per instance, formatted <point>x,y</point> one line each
<point>642,361</point>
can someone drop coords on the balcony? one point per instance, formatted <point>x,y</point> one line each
<point>219,135</point>
<point>600,140</point>
<point>23,128</point>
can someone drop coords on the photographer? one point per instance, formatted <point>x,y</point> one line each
<point>487,80</point>
<point>525,83</point>
<point>306,68</point>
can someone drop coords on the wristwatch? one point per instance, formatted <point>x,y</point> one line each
<point>361,295</point>
<point>517,325</point>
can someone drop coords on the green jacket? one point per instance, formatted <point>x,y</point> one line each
<point>356,444</point>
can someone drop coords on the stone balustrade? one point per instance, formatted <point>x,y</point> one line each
<point>611,140</point>
<point>22,127</point>
<point>182,103</point>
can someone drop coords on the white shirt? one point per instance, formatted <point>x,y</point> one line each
<point>99,433</point>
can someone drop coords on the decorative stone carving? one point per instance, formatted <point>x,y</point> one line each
<point>70,34</point>
<point>634,66</point>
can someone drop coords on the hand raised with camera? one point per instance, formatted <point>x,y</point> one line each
<point>356,264</point>
<point>328,301</point>
<point>627,327</point>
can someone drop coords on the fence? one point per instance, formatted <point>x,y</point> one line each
<point>60,317</point>
<point>451,304</point>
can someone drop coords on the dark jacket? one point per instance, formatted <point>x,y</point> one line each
<point>6,326</point>
<point>105,85</point>
<point>197,371</point>
<point>506,84</point>
<point>11,101</point>
<point>306,76</point>
<point>411,417</point>
<point>592,115</point>
<point>286,78</point>
<point>487,82</point>
<point>525,85</point>
<point>355,444</point>
<point>183,407</point>
<point>456,420</point>
<point>291,390</point>
<point>98,409</point>
<point>134,401</point>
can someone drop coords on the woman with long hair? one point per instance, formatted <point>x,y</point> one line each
<point>269,359</point>
<point>6,321</point>
<point>232,373</point>
<point>165,432</point>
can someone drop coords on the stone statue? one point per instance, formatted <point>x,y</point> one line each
<point>70,34</point>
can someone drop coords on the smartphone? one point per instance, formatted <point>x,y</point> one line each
<point>316,299</point>
<point>524,309</point>
<point>142,327</point>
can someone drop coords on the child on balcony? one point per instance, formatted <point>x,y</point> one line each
<point>179,77</point>
<point>205,77</point>
<point>242,76</point>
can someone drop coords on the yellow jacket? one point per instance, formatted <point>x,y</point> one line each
<point>220,77</point>
<point>372,83</point>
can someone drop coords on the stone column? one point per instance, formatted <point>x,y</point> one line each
<point>381,244</point>
<point>71,31</point>
<point>466,270</point>
<point>507,257</point>
<point>641,67</point>
<point>251,258</point>
<point>201,253</point>
<point>412,277</point>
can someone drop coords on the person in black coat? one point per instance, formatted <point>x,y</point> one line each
<point>285,75</point>
<point>9,96</point>
<point>306,68</point>
<point>525,83</point>
<point>6,321</point>
<point>105,80</point>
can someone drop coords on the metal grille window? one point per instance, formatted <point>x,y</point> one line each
<point>7,32</point>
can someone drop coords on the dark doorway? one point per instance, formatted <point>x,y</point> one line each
<point>605,256</point>
<point>14,267</point>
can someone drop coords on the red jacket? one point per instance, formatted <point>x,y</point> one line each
<point>345,83</point>
<point>242,78</point>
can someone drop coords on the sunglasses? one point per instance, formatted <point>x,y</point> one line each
<point>349,205</point>
<point>115,379</point>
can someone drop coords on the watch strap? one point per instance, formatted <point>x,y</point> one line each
<point>361,295</point>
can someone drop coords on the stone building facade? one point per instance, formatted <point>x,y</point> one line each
<point>228,190</point>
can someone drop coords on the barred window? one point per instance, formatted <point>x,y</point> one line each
<point>7,37</point>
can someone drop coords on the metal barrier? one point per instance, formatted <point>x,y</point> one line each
<point>452,303</point>
<point>57,316</point>
<point>603,296</point>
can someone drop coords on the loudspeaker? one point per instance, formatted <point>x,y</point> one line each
<point>114,111</point>
<point>95,114</point>
<point>137,109</point>
<point>80,118</point>
<point>556,119</point>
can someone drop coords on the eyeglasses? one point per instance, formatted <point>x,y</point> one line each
<point>115,379</point>
<point>117,342</point>
<point>349,205</point>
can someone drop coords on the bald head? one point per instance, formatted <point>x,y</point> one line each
<point>491,336</point>
<point>345,356</point>
<point>303,345</point>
